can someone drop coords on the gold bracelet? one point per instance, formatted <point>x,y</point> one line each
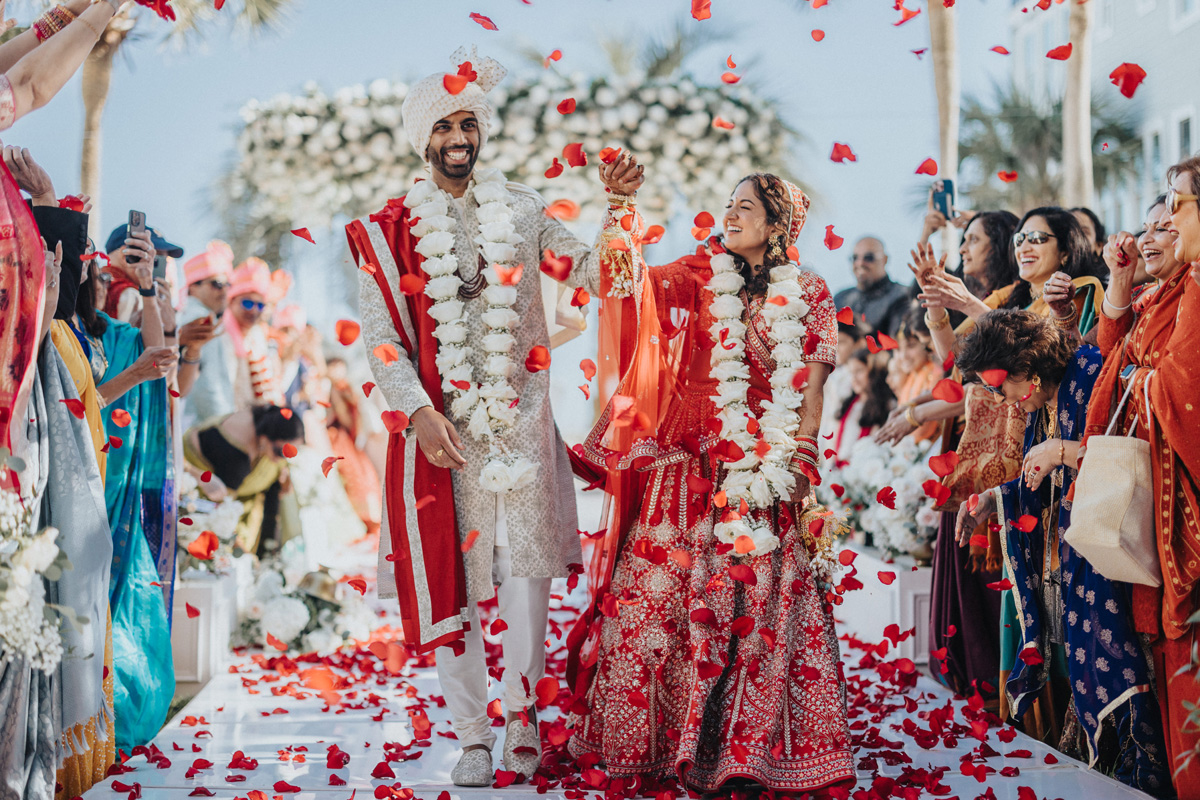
<point>938,324</point>
<point>911,415</point>
<point>1068,321</point>
<point>620,200</point>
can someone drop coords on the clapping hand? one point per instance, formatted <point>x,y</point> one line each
<point>1059,294</point>
<point>1121,256</point>
<point>624,175</point>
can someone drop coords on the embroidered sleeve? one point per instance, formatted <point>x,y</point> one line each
<point>821,320</point>
<point>613,254</point>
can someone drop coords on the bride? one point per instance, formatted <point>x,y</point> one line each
<point>708,652</point>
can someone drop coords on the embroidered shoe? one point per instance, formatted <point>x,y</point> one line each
<point>474,768</point>
<point>522,748</point>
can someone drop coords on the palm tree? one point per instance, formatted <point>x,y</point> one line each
<point>1014,134</point>
<point>946,82</point>
<point>192,16</point>
<point>1078,184</point>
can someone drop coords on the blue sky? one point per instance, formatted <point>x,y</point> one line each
<point>171,119</point>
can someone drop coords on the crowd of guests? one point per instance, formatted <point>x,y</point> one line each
<point>124,367</point>
<point>1056,332</point>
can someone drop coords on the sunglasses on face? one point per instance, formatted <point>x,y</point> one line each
<point>996,390</point>
<point>1175,200</point>
<point>253,305</point>
<point>866,258</point>
<point>1034,237</point>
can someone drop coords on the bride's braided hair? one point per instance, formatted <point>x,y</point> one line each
<point>777,201</point>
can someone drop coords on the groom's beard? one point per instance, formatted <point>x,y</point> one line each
<point>453,169</point>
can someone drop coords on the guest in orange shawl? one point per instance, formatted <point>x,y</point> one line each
<point>1155,339</point>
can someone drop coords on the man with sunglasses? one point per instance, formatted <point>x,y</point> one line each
<point>876,298</point>
<point>208,276</point>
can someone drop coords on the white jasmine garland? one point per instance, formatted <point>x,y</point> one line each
<point>487,407</point>
<point>759,480</point>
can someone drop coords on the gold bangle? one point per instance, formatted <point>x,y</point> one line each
<point>938,324</point>
<point>910,414</point>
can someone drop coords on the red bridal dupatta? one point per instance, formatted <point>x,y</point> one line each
<point>22,295</point>
<point>422,524</point>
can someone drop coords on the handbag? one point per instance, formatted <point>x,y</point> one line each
<point>1112,517</point>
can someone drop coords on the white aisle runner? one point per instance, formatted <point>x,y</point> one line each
<point>294,747</point>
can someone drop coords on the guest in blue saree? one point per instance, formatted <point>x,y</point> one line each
<point>1080,664</point>
<point>139,496</point>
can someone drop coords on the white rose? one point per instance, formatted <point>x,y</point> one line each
<point>499,365</point>
<point>444,287</point>
<point>728,532</point>
<point>495,476</point>
<point>500,318</point>
<point>449,356</point>
<point>284,618</point>
<point>502,413</point>
<point>764,540</point>
<point>322,641</point>
<point>737,482</point>
<point>728,282</point>
<point>726,370</point>
<point>737,352</point>
<point>497,391</point>
<point>39,553</point>
<point>498,342</point>
<point>460,373</point>
<point>760,491</point>
<point>731,392</point>
<point>461,406</point>
<point>427,225</point>
<point>441,265</point>
<point>269,585</point>
<point>433,207</point>
<point>723,262</point>
<point>726,305</point>
<point>782,480</point>
<point>491,192</point>
<point>493,212</point>
<point>498,252</point>
<point>493,232</point>
<point>785,330</point>
<point>523,472</point>
<point>498,295</point>
<point>788,353</point>
<point>785,273</point>
<point>450,334</point>
<point>436,244</point>
<point>480,424</point>
<point>447,310</point>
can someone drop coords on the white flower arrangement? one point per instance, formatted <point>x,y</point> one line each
<point>870,467</point>
<point>758,478</point>
<point>487,408</point>
<point>303,623</point>
<point>198,514</point>
<point>29,627</point>
<point>311,158</point>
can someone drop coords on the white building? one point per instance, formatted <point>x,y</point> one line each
<point>1161,36</point>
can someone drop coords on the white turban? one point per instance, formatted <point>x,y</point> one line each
<point>429,101</point>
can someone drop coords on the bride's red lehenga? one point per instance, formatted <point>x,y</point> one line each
<point>685,671</point>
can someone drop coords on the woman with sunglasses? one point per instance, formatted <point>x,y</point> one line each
<point>1153,341</point>
<point>1079,668</point>
<point>247,452</point>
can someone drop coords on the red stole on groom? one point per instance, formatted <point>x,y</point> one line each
<point>428,561</point>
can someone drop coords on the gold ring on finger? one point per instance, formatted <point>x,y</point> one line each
<point>439,453</point>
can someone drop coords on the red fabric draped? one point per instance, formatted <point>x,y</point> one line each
<point>22,297</point>
<point>120,284</point>
<point>444,577</point>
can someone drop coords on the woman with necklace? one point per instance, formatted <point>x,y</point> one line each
<point>1079,666</point>
<point>708,654</point>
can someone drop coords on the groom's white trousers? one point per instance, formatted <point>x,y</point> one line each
<point>524,605</point>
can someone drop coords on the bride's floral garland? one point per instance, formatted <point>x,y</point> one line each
<point>489,408</point>
<point>762,476</point>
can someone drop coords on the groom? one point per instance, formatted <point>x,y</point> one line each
<point>478,492</point>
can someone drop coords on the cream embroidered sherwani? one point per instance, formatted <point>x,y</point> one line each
<point>539,520</point>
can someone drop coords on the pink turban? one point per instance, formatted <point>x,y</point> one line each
<point>252,276</point>
<point>215,262</point>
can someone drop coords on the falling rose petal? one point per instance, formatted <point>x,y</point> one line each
<point>800,378</point>
<point>999,49</point>
<point>948,390</point>
<point>1026,523</point>
<point>1001,585</point>
<point>192,611</point>
<point>580,297</point>
<point>704,220</point>
<point>653,234</point>
<point>832,240</point>
<point>575,155</point>
<point>358,585</point>
<point>555,169</point>
<point>972,503</point>
<point>935,491</point>
<point>121,418</point>
<point>944,464</point>
<point>793,254</point>
<point>846,316</point>
<point>206,476</point>
<point>723,124</point>
<point>394,421</point>
<point>729,62</point>
<point>557,267</point>
<point>286,413</point>
<point>905,14</point>
<point>328,463</point>
<point>567,106</point>
<point>978,540</point>
<point>203,546</point>
<point>386,353</point>
<point>700,234</point>
<point>368,387</point>
<point>1031,656</point>
<point>1127,77</point>
<point>742,545</point>
<point>873,346</point>
<point>347,331</point>
<point>484,21</point>
<point>563,209</point>
<point>886,497</point>
<point>1007,176</point>
<point>993,377</point>
<point>538,358</point>
<point>887,578</point>
<point>454,83</point>
<point>818,35</point>
<point>842,153</point>
<point>928,167</point>
<point>887,343</point>
<point>504,778</point>
<point>919,53</point>
<point>744,574</point>
<point>610,154</point>
<point>469,542</point>
<point>1060,53</point>
<point>837,489</point>
<point>303,234</point>
<point>509,276</point>
<point>701,9</point>
<point>546,691</point>
<point>278,645</point>
<point>411,284</point>
<point>555,55</point>
<point>589,369</point>
<point>289,450</point>
<point>71,203</point>
<point>75,407</point>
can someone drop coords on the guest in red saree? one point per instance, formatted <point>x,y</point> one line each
<point>709,654</point>
<point>1158,334</point>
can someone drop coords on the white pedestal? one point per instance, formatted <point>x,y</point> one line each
<point>200,644</point>
<point>866,612</point>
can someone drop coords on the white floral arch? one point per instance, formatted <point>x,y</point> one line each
<point>311,159</point>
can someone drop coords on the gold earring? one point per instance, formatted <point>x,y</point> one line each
<point>776,253</point>
<point>1037,382</point>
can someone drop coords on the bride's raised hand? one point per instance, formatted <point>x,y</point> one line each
<point>623,175</point>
